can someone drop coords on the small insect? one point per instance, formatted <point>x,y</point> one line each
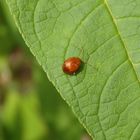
<point>72,65</point>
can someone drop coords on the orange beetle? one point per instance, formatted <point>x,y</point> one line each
<point>71,65</point>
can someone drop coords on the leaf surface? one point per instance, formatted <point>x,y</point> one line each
<point>105,34</point>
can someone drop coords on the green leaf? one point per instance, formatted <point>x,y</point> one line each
<point>33,125</point>
<point>105,34</point>
<point>10,109</point>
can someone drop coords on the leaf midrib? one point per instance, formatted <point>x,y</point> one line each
<point>123,43</point>
<point>129,59</point>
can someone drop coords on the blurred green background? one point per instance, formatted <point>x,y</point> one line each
<point>30,107</point>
